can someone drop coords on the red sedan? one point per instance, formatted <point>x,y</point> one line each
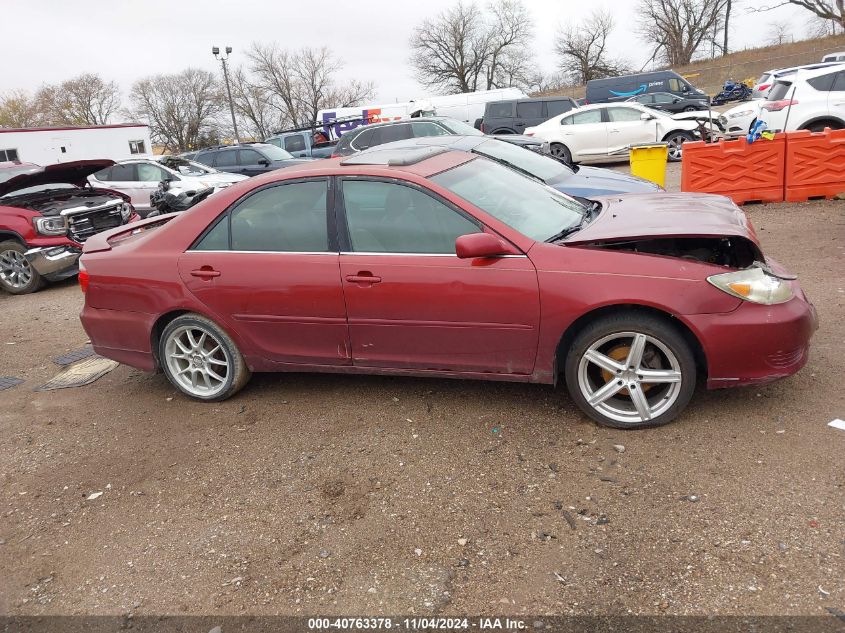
<point>429,262</point>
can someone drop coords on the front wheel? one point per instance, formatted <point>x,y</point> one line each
<point>17,276</point>
<point>675,140</point>
<point>201,360</point>
<point>690,109</point>
<point>630,371</point>
<point>561,151</point>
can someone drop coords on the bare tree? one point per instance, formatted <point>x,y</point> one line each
<point>18,109</point>
<point>833,10</point>
<point>254,106</point>
<point>461,50</point>
<point>819,27</point>
<point>180,108</point>
<point>297,84</point>
<point>780,32</point>
<point>582,49</point>
<point>83,100</point>
<point>678,28</point>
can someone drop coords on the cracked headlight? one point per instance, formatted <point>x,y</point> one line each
<point>755,285</point>
<point>51,225</point>
<point>125,211</point>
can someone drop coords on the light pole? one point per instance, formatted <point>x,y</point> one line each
<point>216,52</point>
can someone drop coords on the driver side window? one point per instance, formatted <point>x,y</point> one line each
<point>384,217</point>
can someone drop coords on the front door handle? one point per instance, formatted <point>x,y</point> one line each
<point>363,277</point>
<point>206,272</point>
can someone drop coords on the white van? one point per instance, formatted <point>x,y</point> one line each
<point>834,57</point>
<point>466,107</point>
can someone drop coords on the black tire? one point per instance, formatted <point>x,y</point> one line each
<point>690,109</point>
<point>821,125</point>
<point>237,372</point>
<point>675,140</point>
<point>561,151</point>
<point>17,276</point>
<point>669,398</point>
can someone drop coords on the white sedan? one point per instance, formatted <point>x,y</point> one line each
<point>139,177</point>
<point>605,132</point>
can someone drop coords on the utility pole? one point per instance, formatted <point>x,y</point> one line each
<point>216,52</point>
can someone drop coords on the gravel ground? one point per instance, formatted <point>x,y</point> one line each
<point>310,494</point>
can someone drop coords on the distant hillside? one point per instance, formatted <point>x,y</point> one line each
<point>710,74</point>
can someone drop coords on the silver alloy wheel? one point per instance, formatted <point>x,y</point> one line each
<point>675,141</point>
<point>636,389</point>
<point>15,270</point>
<point>197,360</point>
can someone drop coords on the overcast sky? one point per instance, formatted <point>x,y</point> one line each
<point>52,40</point>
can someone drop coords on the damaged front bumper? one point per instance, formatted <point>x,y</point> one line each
<point>54,263</point>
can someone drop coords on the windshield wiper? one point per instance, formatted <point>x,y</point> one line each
<point>568,231</point>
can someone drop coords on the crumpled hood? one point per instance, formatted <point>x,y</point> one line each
<point>666,215</point>
<point>73,173</point>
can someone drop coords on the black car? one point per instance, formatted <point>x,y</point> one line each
<point>368,136</point>
<point>514,115</point>
<point>667,102</point>
<point>249,159</point>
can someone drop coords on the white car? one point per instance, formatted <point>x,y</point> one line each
<point>139,177</point>
<point>605,132</point>
<point>834,57</point>
<point>808,100</point>
<point>738,120</point>
<point>764,84</point>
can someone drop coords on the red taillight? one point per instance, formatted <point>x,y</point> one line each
<point>529,134</point>
<point>83,278</point>
<point>777,106</point>
<point>334,155</point>
<point>483,131</point>
<point>764,87</point>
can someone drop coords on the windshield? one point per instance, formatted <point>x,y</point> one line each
<point>11,172</point>
<point>188,167</point>
<point>532,208</point>
<point>460,128</point>
<point>275,153</point>
<point>525,160</point>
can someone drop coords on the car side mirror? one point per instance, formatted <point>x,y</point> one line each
<point>479,245</point>
<point>264,162</point>
<point>645,116</point>
<point>676,100</point>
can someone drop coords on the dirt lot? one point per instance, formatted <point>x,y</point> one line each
<point>334,494</point>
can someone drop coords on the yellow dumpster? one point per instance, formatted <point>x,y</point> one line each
<point>649,161</point>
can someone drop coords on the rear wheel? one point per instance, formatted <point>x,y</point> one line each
<point>561,151</point>
<point>819,126</point>
<point>675,140</point>
<point>630,371</point>
<point>690,109</point>
<point>17,276</point>
<point>201,360</point>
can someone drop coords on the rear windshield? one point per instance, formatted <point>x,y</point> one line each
<point>527,161</point>
<point>460,128</point>
<point>780,90</point>
<point>763,79</point>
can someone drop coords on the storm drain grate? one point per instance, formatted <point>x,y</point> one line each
<point>80,373</point>
<point>7,382</point>
<point>72,357</point>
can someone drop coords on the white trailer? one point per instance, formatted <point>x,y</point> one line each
<point>466,107</point>
<point>50,145</point>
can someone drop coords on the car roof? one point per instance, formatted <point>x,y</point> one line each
<point>792,69</point>
<point>816,72</point>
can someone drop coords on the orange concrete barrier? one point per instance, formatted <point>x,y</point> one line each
<point>815,164</point>
<point>745,172</point>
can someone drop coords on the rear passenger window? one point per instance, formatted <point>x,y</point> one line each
<point>427,128</point>
<point>823,83</point>
<point>204,157</point>
<point>217,239</point>
<point>123,173</point>
<point>227,158</point>
<point>390,133</point>
<point>839,82</point>
<point>286,218</point>
<point>295,143</point>
<point>559,106</point>
<point>363,140</point>
<point>500,110</point>
<point>529,109</point>
<point>590,116</point>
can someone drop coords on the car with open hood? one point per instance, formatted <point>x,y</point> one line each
<point>429,262</point>
<point>46,215</point>
<point>606,132</point>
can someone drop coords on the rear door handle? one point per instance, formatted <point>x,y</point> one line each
<point>363,277</point>
<point>206,272</point>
